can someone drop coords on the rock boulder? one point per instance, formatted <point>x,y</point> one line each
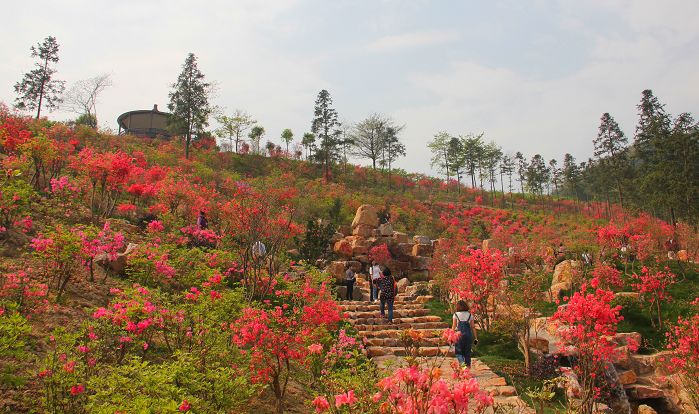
<point>366,215</point>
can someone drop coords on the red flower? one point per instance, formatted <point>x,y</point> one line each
<point>77,389</point>
<point>184,407</point>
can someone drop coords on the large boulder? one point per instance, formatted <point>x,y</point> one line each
<point>399,237</point>
<point>337,270</point>
<point>419,276</point>
<point>399,267</point>
<point>366,215</point>
<point>356,292</point>
<point>422,240</point>
<point>402,285</point>
<point>420,263</point>
<point>405,249</point>
<point>627,377</point>
<point>563,273</point>
<point>646,409</point>
<point>343,248</point>
<point>363,230</point>
<point>422,250</point>
<point>386,229</point>
<point>345,230</point>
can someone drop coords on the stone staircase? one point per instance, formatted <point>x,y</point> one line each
<point>383,344</point>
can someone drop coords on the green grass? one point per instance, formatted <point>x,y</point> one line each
<point>439,308</point>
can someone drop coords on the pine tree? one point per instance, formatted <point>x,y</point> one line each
<point>189,101</point>
<point>325,126</point>
<point>38,88</point>
<point>522,167</point>
<point>610,150</point>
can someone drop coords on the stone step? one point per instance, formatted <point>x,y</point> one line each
<point>428,351</point>
<point>397,313</point>
<point>381,320</point>
<point>401,325</point>
<point>396,342</point>
<point>395,333</point>
<point>365,307</point>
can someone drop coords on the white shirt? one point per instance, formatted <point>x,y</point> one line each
<point>462,316</point>
<point>375,272</point>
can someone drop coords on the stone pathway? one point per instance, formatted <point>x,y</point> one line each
<point>383,344</point>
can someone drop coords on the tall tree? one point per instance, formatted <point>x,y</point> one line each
<point>326,128</point>
<point>234,127</point>
<point>439,146</point>
<point>393,149</point>
<point>491,155</point>
<point>537,175</point>
<point>555,175</point>
<point>369,137</point>
<point>189,101</point>
<point>456,159</point>
<point>507,167</point>
<point>255,135</point>
<point>38,88</point>
<point>473,148</point>
<point>308,142</point>
<point>82,97</point>
<point>287,137</point>
<point>570,173</point>
<point>610,150</point>
<point>522,167</point>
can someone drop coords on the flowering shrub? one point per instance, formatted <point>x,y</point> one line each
<point>588,323</point>
<point>606,277</point>
<point>683,341</point>
<point>381,254</point>
<point>422,391</point>
<point>277,338</point>
<point>104,242</point>
<point>652,286</point>
<point>22,292</point>
<point>59,251</point>
<point>479,274</point>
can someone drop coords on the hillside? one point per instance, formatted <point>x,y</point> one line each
<point>114,299</point>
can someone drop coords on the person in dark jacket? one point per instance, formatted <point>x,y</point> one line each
<point>350,278</point>
<point>387,287</point>
<point>202,223</point>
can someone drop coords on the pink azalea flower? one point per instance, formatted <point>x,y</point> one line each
<point>345,399</point>
<point>321,404</point>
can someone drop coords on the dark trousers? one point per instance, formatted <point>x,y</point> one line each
<point>350,289</point>
<point>462,349</point>
<point>384,302</point>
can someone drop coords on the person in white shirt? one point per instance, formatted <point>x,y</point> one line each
<point>375,272</point>
<point>463,321</point>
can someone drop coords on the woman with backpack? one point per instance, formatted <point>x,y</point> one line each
<point>463,321</point>
<point>387,286</point>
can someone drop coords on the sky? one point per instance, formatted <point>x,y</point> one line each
<point>532,75</point>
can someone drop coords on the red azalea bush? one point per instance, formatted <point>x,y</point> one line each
<point>683,342</point>
<point>479,276</point>
<point>653,287</point>
<point>278,338</point>
<point>588,324</point>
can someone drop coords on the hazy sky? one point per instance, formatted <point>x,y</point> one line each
<point>535,75</point>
